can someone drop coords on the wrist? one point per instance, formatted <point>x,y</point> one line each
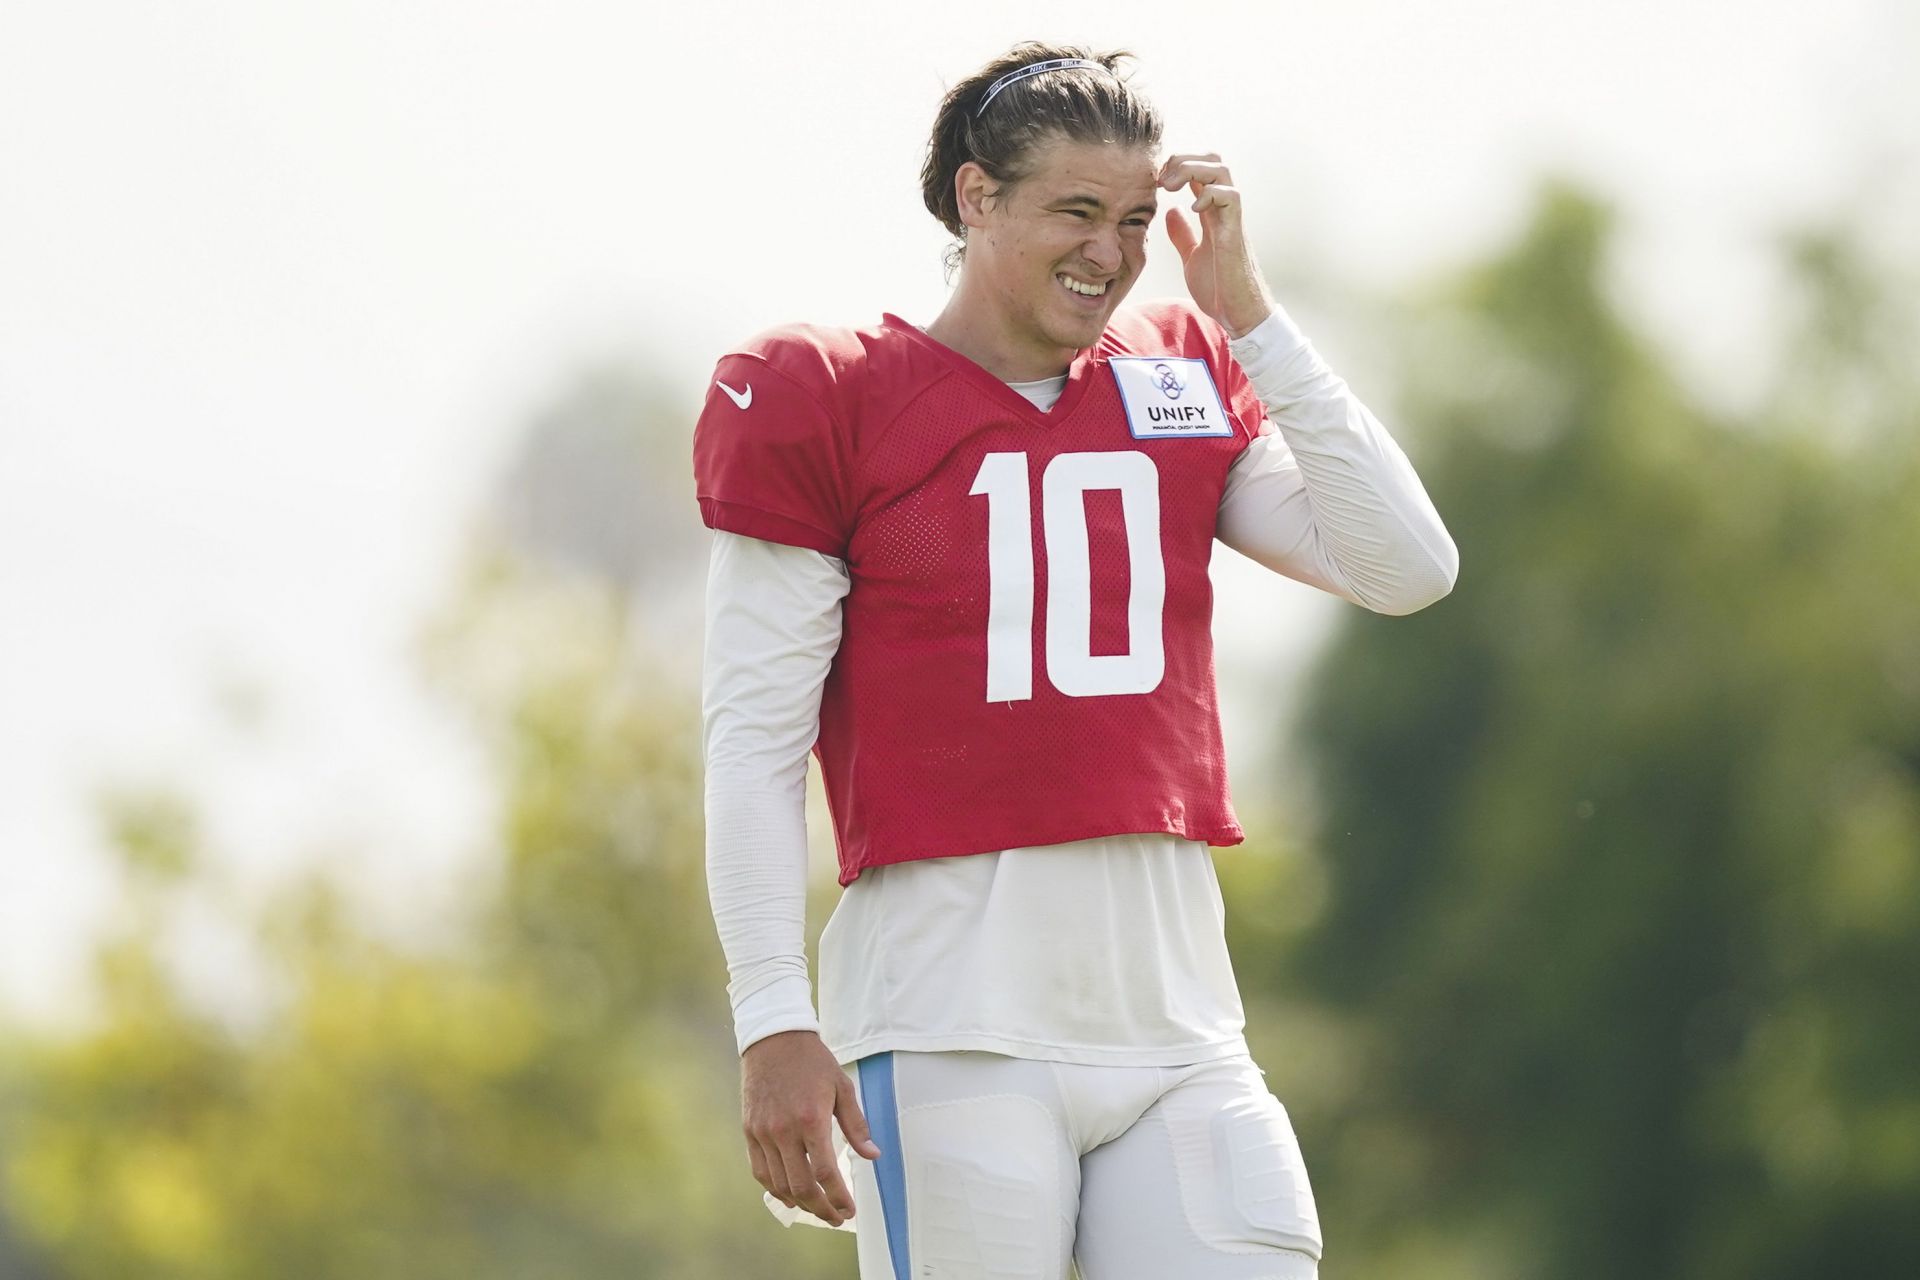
<point>1240,323</point>
<point>1276,355</point>
<point>783,1005</point>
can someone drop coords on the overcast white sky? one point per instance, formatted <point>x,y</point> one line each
<point>279,281</point>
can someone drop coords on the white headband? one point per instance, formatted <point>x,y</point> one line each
<point>1033,69</point>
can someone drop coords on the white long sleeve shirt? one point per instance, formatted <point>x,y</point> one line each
<point>977,952</point>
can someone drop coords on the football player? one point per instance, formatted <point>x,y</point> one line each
<point>965,564</point>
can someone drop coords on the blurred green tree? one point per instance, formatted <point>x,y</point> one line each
<point>1619,845</point>
<point>545,1087</point>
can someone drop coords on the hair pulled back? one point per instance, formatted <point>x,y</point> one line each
<point>1081,104</point>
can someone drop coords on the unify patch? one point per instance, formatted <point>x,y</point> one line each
<point>1169,396</point>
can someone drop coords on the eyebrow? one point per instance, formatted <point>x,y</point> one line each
<point>1090,201</point>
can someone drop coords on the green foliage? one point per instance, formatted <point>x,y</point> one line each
<point>1622,839</point>
<point>551,1092</point>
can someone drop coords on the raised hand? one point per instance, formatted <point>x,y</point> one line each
<point>1221,274</point>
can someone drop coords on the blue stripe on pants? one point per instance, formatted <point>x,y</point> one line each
<point>890,1170</point>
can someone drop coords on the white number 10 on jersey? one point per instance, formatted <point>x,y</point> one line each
<point>1072,665</point>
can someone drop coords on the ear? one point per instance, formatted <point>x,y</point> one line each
<point>970,187</point>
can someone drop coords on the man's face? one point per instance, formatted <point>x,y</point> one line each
<point>1082,215</point>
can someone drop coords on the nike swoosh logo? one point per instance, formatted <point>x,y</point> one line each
<point>741,398</point>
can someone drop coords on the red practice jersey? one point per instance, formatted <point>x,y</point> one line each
<point>1026,654</point>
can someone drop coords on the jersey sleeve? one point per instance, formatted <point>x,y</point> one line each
<point>771,458</point>
<point>1243,402</point>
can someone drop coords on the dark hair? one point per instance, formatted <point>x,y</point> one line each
<point>1078,103</point>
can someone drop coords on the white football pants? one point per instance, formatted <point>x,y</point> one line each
<point>1018,1168</point>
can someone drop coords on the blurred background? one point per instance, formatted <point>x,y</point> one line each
<point>352,915</point>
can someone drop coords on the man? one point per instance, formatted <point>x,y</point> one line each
<point>967,566</point>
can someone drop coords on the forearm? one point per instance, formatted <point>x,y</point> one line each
<point>773,625</point>
<point>757,887</point>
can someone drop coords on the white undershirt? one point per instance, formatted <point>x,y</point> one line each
<point>1096,951</point>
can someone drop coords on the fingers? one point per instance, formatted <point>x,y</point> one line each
<point>764,1172</point>
<point>1193,175</point>
<point>853,1123</point>
<point>1206,178</point>
<point>837,1200</point>
<point>1180,230</point>
<point>1224,198</point>
<point>804,1164</point>
<point>1178,170</point>
<point>800,1169</point>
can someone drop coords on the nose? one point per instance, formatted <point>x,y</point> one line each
<point>1102,249</point>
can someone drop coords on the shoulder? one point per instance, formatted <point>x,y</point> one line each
<point>1161,326</point>
<point>830,363</point>
<point>776,440</point>
<point>808,352</point>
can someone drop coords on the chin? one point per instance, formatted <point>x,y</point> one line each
<point>1095,326</point>
<point>1096,323</point>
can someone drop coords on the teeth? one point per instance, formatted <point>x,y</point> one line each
<point>1092,291</point>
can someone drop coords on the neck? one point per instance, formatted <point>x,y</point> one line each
<point>971,327</point>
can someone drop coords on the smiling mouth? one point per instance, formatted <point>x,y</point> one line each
<point>1081,289</point>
